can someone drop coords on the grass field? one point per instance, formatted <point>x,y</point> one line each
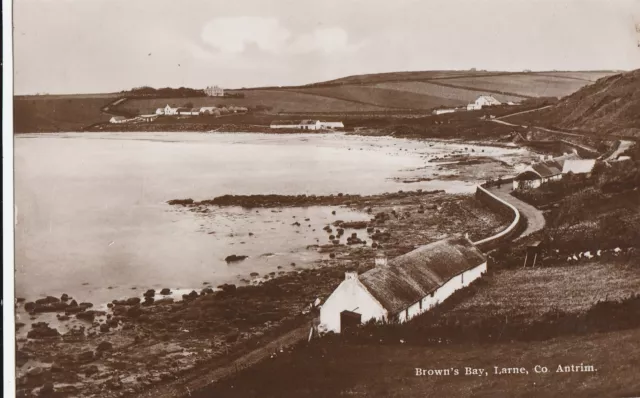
<point>278,101</point>
<point>383,97</point>
<point>539,290</point>
<point>460,95</point>
<point>531,85</point>
<point>58,113</point>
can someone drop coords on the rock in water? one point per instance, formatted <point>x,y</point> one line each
<point>234,258</point>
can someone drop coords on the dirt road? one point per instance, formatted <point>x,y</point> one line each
<point>535,217</point>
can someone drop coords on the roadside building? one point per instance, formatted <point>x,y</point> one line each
<point>118,119</point>
<point>543,172</point>
<point>214,91</point>
<point>482,101</point>
<point>578,166</point>
<point>404,287</point>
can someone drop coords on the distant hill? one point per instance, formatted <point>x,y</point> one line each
<point>609,106</point>
<point>385,93</point>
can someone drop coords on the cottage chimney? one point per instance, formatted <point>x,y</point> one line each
<point>381,260</point>
<point>350,275</point>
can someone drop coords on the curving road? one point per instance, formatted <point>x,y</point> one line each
<point>535,217</point>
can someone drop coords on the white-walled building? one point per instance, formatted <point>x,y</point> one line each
<point>542,172</point>
<point>442,111</point>
<point>578,166</point>
<point>404,287</point>
<point>167,111</point>
<point>306,125</point>
<point>118,119</point>
<point>331,125</point>
<point>214,91</point>
<point>481,101</point>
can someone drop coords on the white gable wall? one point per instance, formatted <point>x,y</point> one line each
<point>350,295</point>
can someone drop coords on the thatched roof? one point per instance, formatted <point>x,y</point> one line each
<point>412,276</point>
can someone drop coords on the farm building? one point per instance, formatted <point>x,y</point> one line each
<point>542,172</point>
<point>482,101</point>
<point>578,166</point>
<point>214,91</point>
<point>306,125</point>
<point>118,119</point>
<point>146,118</point>
<point>442,111</point>
<point>167,110</point>
<point>331,125</point>
<point>188,112</point>
<point>404,287</point>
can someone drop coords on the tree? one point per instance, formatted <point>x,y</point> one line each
<point>188,105</point>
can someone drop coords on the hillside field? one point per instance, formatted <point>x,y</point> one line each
<point>50,113</point>
<point>388,93</point>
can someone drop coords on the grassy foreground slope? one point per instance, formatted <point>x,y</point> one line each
<point>381,370</point>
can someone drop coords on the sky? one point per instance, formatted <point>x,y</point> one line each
<point>92,46</point>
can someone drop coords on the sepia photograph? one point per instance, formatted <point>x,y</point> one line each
<point>300,199</point>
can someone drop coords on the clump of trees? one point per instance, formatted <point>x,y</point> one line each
<point>166,92</point>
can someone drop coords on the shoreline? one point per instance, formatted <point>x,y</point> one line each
<point>216,324</point>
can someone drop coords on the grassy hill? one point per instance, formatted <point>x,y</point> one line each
<point>50,113</point>
<point>386,93</point>
<point>610,106</point>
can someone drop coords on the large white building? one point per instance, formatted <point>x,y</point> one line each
<point>404,287</point>
<point>214,91</point>
<point>481,101</point>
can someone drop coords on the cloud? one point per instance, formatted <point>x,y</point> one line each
<point>234,34</point>
<point>326,40</point>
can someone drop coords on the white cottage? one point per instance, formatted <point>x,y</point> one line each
<point>404,287</point>
<point>542,172</point>
<point>167,110</point>
<point>481,101</point>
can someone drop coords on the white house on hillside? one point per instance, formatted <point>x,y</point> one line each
<point>481,101</point>
<point>167,110</point>
<point>404,287</point>
<point>214,91</point>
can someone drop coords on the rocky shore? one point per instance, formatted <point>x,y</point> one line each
<point>136,343</point>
